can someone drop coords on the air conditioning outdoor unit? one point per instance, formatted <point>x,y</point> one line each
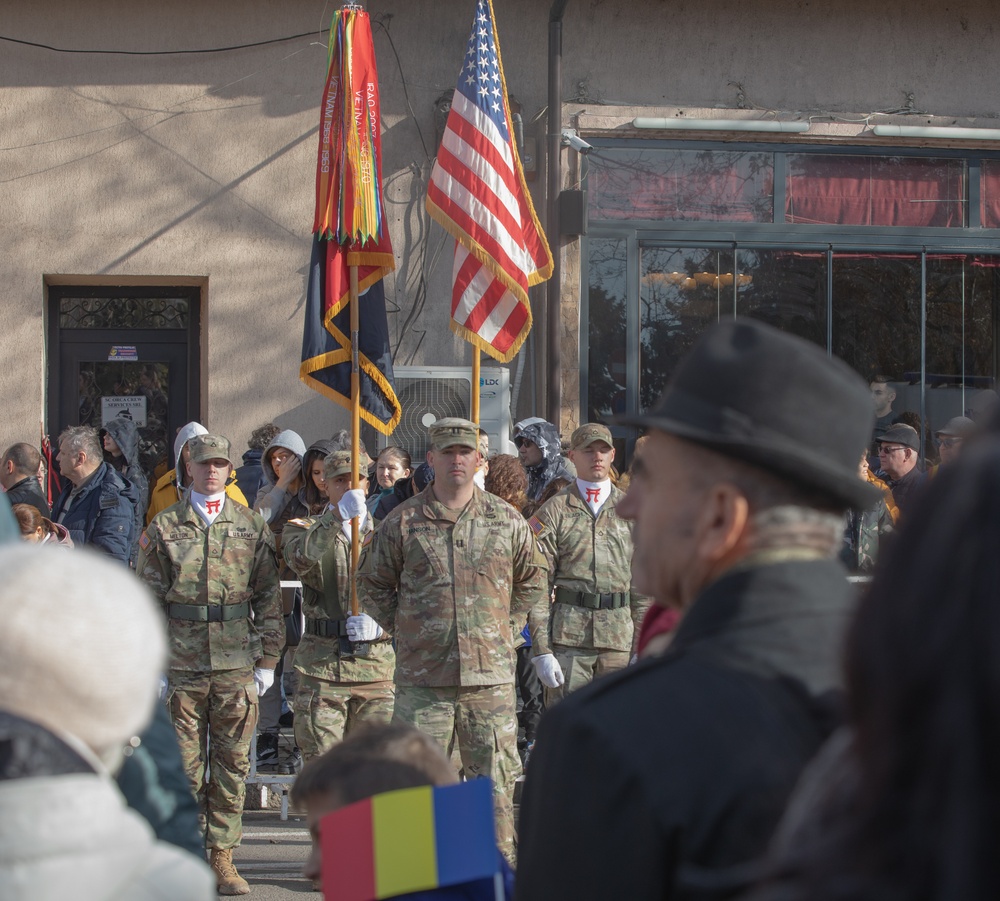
<point>429,393</point>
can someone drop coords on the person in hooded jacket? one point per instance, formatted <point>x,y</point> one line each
<point>172,485</point>
<point>120,439</point>
<point>66,831</point>
<point>250,476</point>
<point>282,497</point>
<point>541,454</point>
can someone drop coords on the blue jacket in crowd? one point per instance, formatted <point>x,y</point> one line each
<point>103,514</point>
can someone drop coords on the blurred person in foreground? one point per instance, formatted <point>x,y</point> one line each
<point>65,724</point>
<point>902,803</point>
<point>667,779</point>
<point>376,758</point>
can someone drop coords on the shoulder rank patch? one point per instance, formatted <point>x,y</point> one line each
<point>144,540</point>
<point>536,526</point>
<point>298,521</point>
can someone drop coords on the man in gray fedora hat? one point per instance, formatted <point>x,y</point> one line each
<point>667,779</point>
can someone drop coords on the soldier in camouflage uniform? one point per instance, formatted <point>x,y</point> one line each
<point>211,564</point>
<point>450,569</point>
<point>337,689</point>
<point>594,621</point>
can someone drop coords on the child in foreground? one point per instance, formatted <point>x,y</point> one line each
<point>373,759</point>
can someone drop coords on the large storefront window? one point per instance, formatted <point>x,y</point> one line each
<point>879,259</point>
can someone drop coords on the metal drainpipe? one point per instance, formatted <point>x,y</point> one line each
<point>553,360</point>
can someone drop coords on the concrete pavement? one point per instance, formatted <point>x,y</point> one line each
<point>272,854</point>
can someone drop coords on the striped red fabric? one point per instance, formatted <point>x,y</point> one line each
<point>478,193</point>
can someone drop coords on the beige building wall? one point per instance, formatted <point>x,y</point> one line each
<point>123,168</point>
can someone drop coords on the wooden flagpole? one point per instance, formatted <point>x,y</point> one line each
<point>475,385</point>
<point>355,432</point>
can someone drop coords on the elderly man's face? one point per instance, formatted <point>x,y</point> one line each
<point>896,459</point>
<point>663,501</point>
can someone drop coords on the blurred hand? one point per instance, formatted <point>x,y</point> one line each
<point>363,628</point>
<point>549,671</point>
<point>264,679</point>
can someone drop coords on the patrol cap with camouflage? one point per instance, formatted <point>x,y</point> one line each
<point>588,433</point>
<point>339,463</point>
<point>453,430</point>
<point>209,447</point>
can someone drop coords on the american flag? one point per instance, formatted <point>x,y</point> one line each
<point>477,192</point>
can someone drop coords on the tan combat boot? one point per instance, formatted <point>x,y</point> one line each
<point>228,881</point>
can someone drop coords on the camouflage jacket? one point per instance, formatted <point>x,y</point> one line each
<point>183,561</point>
<point>862,531</point>
<point>320,554</point>
<point>455,584</point>
<point>592,555</point>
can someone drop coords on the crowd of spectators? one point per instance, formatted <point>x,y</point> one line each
<point>736,756</point>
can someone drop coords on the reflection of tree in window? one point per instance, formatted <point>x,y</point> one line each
<point>681,185</point>
<point>876,313</point>
<point>961,296</point>
<point>606,344</point>
<point>681,294</point>
<point>787,290</point>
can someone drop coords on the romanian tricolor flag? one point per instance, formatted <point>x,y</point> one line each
<point>412,840</point>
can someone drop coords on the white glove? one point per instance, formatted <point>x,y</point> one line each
<point>549,671</point>
<point>264,679</point>
<point>363,628</point>
<point>352,504</point>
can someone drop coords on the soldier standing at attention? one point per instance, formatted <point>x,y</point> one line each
<point>594,622</point>
<point>210,562</point>
<point>340,684</point>
<point>450,569</point>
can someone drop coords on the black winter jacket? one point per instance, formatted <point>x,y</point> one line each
<point>666,780</point>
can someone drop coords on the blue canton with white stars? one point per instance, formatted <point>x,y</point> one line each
<point>480,80</point>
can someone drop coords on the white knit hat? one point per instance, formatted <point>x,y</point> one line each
<point>82,644</point>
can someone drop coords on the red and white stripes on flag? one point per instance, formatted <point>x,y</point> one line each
<point>478,193</point>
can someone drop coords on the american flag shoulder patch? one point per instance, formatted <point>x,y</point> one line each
<point>144,540</point>
<point>536,526</point>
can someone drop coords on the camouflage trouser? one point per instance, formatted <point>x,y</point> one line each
<point>327,711</point>
<point>215,715</point>
<point>483,721</point>
<point>581,666</point>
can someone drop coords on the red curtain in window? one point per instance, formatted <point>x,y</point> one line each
<point>880,191</point>
<point>989,193</point>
